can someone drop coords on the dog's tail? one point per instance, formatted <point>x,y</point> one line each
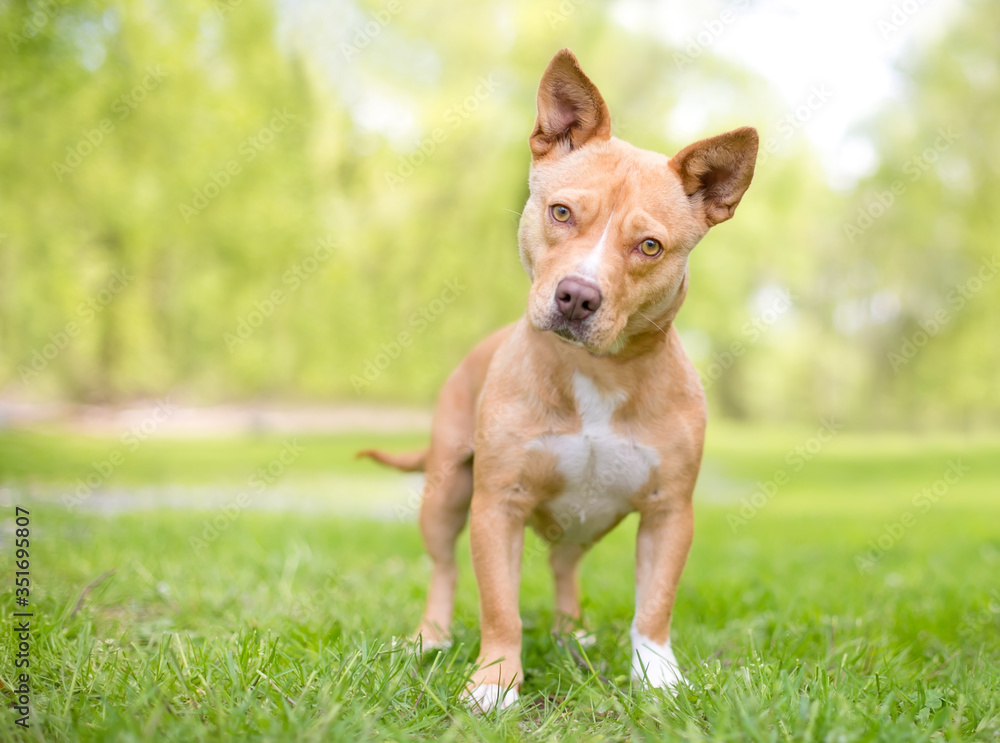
<point>414,461</point>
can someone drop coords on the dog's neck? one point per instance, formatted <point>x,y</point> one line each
<point>644,354</point>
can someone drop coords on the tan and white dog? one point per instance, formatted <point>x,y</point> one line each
<point>587,408</point>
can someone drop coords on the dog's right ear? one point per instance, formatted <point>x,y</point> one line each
<point>716,172</point>
<point>571,110</point>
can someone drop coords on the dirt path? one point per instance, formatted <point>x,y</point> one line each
<point>175,419</point>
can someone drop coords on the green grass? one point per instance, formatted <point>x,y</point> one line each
<point>282,627</point>
<point>53,457</point>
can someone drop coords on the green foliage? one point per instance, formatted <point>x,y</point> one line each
<point>934,251</point>
<point>402,167</point>
<point>97,165</point>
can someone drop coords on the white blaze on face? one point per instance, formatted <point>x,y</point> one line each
<point>591,265</point>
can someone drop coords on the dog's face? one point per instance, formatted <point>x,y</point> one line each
<point>607,229</point>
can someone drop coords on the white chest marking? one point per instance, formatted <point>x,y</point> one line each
<point>602,469</point>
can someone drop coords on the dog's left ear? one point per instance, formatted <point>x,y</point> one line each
<point>716,172</point>
<point>571,110</point>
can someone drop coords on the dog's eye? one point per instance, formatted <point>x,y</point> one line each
<point>650,247</point>
<point>561,213</point>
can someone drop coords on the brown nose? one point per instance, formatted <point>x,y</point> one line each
<point>577,299</point>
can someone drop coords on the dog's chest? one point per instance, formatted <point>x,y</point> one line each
<point>601,469</point>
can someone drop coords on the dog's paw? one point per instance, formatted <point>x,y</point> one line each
<point>430,645</point>
<point>585,639</point>
<point>488,697</point>
<point>431,638</point>
<point>654,665</point>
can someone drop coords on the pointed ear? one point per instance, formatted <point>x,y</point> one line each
<point>717,171</point>
<point>571,110</point>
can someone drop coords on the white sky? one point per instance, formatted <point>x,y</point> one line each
<point>850,46</point>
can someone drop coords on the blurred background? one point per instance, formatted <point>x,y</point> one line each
<point>242,239</point>
<point>237,202</point>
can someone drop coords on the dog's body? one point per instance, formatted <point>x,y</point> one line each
<point>587,408</point>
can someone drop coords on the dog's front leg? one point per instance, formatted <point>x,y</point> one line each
<point>661,550</point>
<point>497,541</point>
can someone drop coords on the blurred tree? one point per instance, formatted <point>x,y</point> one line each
<point>920,297</point>
<point>160,144</point>
<point>320,200</point>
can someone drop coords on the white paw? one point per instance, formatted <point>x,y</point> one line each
<point>653,664</point>
<point>488,697</point>
<point>586,639</point>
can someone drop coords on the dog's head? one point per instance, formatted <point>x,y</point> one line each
<point>607,229</point>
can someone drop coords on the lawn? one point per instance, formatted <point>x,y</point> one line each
<point>842,586</point>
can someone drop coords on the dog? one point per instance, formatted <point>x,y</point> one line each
<point>587,408</point>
